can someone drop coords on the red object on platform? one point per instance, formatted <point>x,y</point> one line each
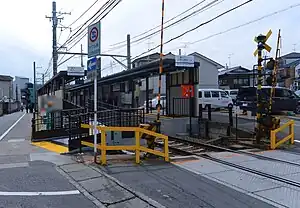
<point>187,91</point>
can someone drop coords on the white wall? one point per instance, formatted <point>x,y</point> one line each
<point>208,74</point>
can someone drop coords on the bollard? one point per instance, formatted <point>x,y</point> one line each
<point>200,113</point>
<point>209,111</point>
<point>80,135</point>
<point>230,116</point>
<point>33,128</point>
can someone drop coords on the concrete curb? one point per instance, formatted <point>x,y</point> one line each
<point>294,118</point>
<point>136,193</point>
<point>80,188</point>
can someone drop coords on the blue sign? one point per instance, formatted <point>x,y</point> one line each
<point>92,64</point>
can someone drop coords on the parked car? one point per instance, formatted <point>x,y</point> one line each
<point>283,100</point>
<point>232,93</point>
<point>216,97</point>
<point>153,104</point>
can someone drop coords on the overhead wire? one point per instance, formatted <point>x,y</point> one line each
<point>202,9</point>
<point>242,25</point>
<point>88,9</point>
<point>107,10</point>
<point>197,27</point>
<point>83,27</point>
<point>110,8</point>
<point>158,26</point>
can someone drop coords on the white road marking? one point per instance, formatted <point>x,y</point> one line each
<point>12,126</point>
<point>297,141</point>
<point>50,193</point>
<point>16,140</point>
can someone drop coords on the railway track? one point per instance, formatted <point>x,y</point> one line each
<point>183,147</point>
<point>186,147</point>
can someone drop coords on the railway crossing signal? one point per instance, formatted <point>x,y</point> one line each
<point>262,104</point>
<point>261,41</point>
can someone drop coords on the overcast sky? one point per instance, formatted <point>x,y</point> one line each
<point>26,34</point>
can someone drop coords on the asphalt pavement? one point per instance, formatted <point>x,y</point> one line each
<point>28,174</point>
<point>33,177</point>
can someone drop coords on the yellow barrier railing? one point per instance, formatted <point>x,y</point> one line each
<point>137,147</point>
<point>290,137</point>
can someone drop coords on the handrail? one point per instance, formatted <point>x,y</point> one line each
<point>284,126</point>
<point>291,136</point>
<point>137,147</point>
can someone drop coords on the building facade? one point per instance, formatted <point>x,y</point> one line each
<point>6,87</point>
<point>19,84</point>
<point>288,74</point>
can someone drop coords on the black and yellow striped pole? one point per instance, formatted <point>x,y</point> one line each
<point>160,64</point>
<point>261,45</point>
<point>274,66</point>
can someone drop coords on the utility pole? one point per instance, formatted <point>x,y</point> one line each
<point>128,53</point>
<point>55,20</point>
<point>17,94</point>
<point>81,55</point>
<point>34,87</point>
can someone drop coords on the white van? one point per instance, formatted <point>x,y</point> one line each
<point>216,97</point>
<point>232,93</point>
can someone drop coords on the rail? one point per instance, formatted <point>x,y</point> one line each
<point>137,147</point>
<point>290,136</point>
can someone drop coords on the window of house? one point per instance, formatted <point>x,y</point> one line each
<point>215,94</point>
<point>246,82</point>
<point>235,81</point>
<point>200,94</point>
<point>122,87</point>
<point>207,94</point>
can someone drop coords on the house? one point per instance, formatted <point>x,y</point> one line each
<point>287,59</point>
<point>6,86</point>
<point>288,74</point>
<point>235,77</point>
<point>208,73</point>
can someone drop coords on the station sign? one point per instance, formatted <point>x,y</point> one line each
<point>75,71</point>
<point>185,61</point>
<point>94,40</point>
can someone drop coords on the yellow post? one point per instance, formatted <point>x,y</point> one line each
<point>137,147</point>
<point>166,146</point>
<point>273,140</point>
<point>103,147</point>
<point>292,131</point>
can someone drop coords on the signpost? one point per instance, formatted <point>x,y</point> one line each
<point>94,43</point>
<point>94,46</point>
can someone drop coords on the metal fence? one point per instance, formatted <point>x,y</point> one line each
<point>100,106</point>
<point>126,117</point>
<point>183,106</point>
<point>64,123</point>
